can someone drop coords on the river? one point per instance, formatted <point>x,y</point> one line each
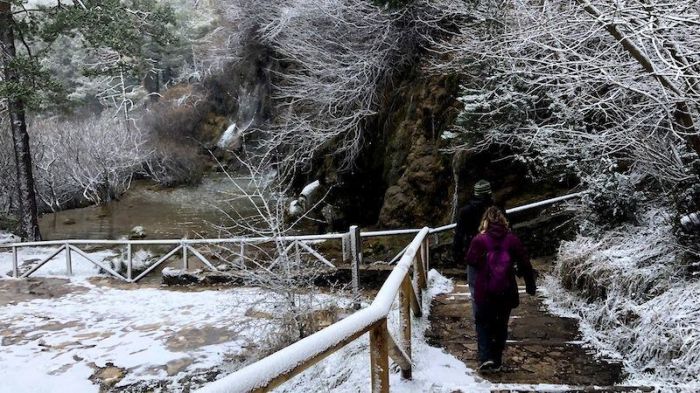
<point>163,213</point>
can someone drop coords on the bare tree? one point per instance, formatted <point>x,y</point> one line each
<point>287,268</point>
<point>91,160</point>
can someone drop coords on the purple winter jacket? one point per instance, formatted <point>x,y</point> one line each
<point>476,257</point>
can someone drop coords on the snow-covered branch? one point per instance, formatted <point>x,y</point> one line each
<point>568,89</point>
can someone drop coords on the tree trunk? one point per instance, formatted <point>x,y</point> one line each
<point>29,224</point>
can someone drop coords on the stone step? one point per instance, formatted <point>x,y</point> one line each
<point>542,348</point>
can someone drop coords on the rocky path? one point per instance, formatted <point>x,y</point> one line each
<point>542,348</point>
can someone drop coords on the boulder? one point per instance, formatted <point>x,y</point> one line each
<point>137,232</point>
<point>172,276</point>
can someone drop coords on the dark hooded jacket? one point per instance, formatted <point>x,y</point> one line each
<point>476,257</point>
<point>468,220</point>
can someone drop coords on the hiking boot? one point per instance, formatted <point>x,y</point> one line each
<point>487,366</point>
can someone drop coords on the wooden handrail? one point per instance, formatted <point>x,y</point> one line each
<point>284,364</point>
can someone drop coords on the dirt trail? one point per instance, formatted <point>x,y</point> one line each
<point>542,348</point>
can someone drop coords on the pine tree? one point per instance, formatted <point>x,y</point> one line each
<point>13,91</point>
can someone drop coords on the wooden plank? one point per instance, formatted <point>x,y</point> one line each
<point>202,258</point>
<point>286,251</point>
<point>109,270</point>
<point>40,264</point>
<point>356,261</point>
<point>69,263</point>
<point>415,304</point>
<point>399,356</point>
<point>185,258</point>
<point>161,260</point>
<point>405,324</point>
<point>316,254</point>
<point>419,269</point>
<point>15,267</point>
<point>129,262</point>
<point>379,358</point>
<point>418,278</point>
<point>426,259</point>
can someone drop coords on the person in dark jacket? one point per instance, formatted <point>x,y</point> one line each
<point>468,221</point>
<point>496,254</point>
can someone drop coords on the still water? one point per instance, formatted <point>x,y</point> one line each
<point>163,213</point>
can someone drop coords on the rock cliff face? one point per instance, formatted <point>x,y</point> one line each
<point>404,177</point>
<point>416,171</point>
<point>401,177</point>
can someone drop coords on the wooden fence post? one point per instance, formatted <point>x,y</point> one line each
<point>426,251</point>
<point>423,277</point>
<point>15,264</point>
<point>379,358</point>
<point>419,273</point>
<point>69,263</point>
<point>405,322</point>
<point>355,262</point>
<point>185,264</point>
<point>243,264</point>
<point>129,262</point>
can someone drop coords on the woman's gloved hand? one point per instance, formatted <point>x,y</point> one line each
<point>531,285</point>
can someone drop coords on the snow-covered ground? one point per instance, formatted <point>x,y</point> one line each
<point>166,337</point>
<point>55,345</point>
<point>163,336</point>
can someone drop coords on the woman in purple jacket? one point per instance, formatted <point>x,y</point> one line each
<point>497,256</point>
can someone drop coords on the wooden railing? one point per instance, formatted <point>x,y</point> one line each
<point>407,281</point>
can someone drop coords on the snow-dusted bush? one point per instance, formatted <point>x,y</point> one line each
<point>173,163</point>
<point>174,126</point>
<point>613,198</point>
<point>89,160</point>
<point>94,160</point>
<point>285,268</point>
<point>633,297</point>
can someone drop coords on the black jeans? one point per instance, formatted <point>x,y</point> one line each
<point>491,330</point>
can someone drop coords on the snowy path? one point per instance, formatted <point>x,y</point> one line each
<point>542,348</point>
<point>544,351</point>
